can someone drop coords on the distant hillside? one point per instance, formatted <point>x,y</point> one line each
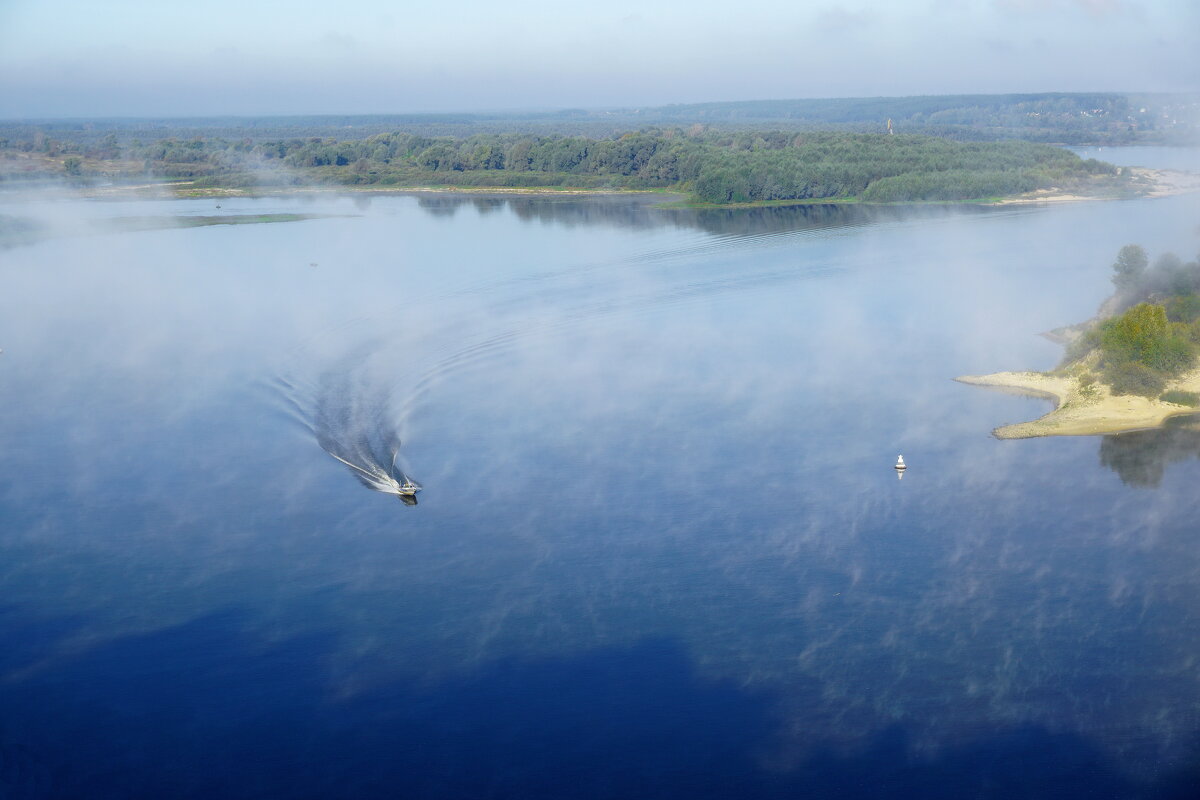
<point>1064,118</point>
<point>1055,118</point>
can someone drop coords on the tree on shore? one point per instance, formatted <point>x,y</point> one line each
<point>1129,267</point>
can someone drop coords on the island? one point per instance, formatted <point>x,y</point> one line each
<point>1133,366</point>
<point>710,167</point>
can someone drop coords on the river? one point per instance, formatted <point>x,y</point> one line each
<point>660,551</point>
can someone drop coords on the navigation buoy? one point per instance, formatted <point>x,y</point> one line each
<point>900,467</point>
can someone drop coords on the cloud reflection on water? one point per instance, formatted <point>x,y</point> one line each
<point>690,443</point>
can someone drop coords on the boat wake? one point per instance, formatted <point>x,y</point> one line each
<point>353,419</point>
<point>360,407</point>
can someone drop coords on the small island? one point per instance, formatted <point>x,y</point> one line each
<point>1131,367</point>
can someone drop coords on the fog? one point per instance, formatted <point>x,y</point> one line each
<point>660,548</point>
<point>631,423</point>
<point>144,59</point>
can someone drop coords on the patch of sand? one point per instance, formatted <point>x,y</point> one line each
<point>1167,182</point>
<point>1083,410</point>
<point>1145,183</point>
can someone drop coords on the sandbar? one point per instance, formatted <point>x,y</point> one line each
<point>1083,410</point>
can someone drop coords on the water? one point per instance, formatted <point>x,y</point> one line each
<point>661,550</point>
<point>1153,156</point>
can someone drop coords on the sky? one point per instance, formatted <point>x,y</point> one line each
<point>82,58</point>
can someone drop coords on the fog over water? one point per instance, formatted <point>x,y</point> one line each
<point>659,525</point>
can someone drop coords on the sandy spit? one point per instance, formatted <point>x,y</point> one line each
<point>1082,410</point>
<point>1146,183</point>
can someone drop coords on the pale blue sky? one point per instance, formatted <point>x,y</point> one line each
<point>164,57</point>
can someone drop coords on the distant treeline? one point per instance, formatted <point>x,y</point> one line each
<point>715,166</point>
<point>1062,118</point>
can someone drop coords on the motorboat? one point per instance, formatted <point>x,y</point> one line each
<point>408,488</point>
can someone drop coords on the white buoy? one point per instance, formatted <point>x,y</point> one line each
<point>900,467</point>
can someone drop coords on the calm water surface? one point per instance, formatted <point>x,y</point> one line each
<point>661,551</point>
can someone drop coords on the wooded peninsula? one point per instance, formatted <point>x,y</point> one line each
<point>1132,366</point>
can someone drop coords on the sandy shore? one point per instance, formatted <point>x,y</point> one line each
<point>1165,182</point>
<point>1082,410</point>
<point>1043,196</point>
<point>1146,183</point>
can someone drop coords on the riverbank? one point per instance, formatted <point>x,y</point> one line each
<point>1144,183</point>
<point>1154,183</point>
<point>1082,409</point>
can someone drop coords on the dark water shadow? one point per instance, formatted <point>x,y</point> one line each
<point>640,212</point>
<point>1141,458</point>
<point>206,709</point>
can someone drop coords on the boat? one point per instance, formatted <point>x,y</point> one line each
<point>406,489</point>
<point>374,477</point>
<point>900,466</point>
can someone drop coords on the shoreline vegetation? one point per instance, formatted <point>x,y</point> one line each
<point>1133,366</point>
<point>709,167</point>
<point>1001,148</point>
<point>1142,182</point>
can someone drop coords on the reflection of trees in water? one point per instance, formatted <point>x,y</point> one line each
<point>640,212</point>
<point>1140,458</point>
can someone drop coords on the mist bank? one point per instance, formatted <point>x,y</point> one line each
<point>713,167</point>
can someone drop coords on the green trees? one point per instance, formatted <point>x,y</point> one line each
<point>1143,334</point>
<point>1158,336</point>
<point>1129,267</point>
<point>717,166</point>
<point>1169,277</point>
<point>1142,348</point>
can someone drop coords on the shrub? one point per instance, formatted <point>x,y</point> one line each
<point>1181,398</point>
<point>1131,336</point>
<point>1143,335</point>
<point>1130,377</point>
<point>1174,354</point>
<point>1185,308</point>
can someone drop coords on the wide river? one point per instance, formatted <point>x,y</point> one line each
<point>660,551</point>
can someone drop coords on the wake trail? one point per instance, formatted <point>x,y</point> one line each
<point>360,408</point>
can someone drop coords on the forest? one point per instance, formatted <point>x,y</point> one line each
<point>714,166</point>
<point>1074,118</point>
